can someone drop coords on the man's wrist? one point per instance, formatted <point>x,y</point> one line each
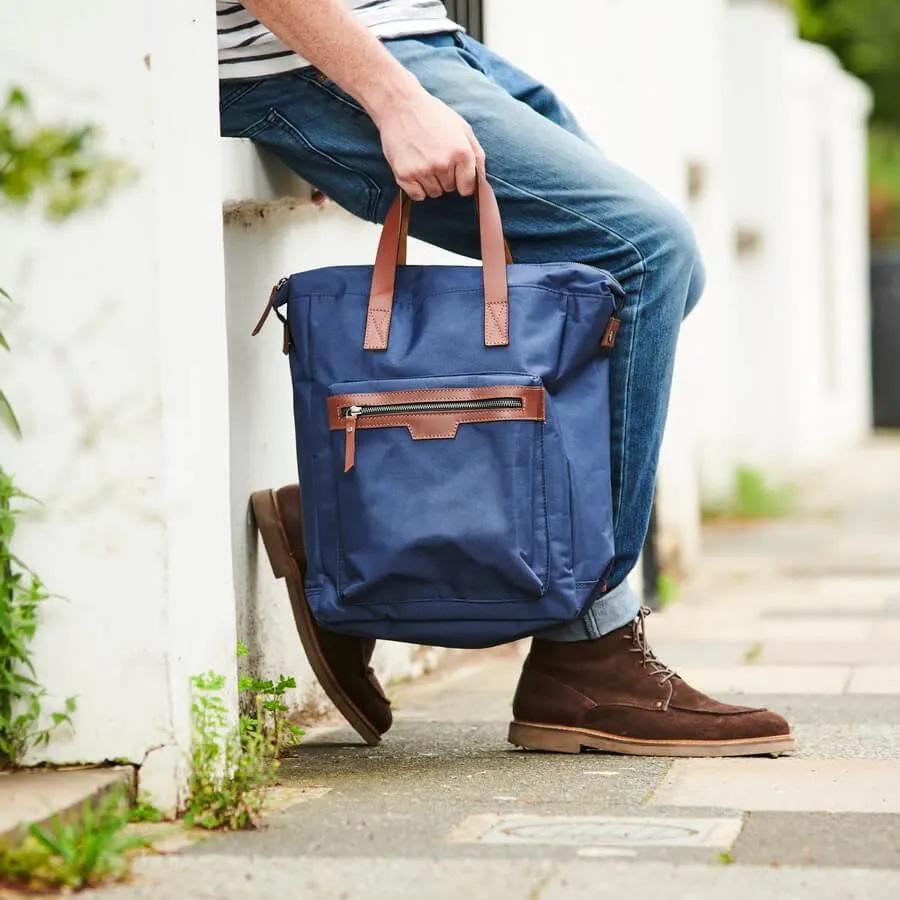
<point>383,96</point>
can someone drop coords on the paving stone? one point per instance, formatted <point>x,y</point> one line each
<point>401,878</point>
<point>819,839</point>
<point>679,653</point>
<point>878,613</point>
<point>827,709</point>
<point>768,679</point>
<point>889,631</point>
<point>606,880</point>
<point>864,595</point>
<point>315,877</point>
<point>832,653</point>
<point>874,740</point>
<point>875,680</point>
<point>861,786</point>
<point>29,797</point>
<point>687,626</point>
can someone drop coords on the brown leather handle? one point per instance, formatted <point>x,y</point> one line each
<point>392,252</point>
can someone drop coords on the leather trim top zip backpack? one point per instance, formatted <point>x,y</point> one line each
<point>453,439</point>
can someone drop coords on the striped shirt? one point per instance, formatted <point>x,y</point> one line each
<point>247,49</point>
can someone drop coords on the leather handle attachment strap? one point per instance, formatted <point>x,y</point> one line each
<point>392,252</point>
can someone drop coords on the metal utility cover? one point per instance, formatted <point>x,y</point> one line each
<point>598,831</point>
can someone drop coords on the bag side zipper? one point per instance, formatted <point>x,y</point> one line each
<point>351,413</point>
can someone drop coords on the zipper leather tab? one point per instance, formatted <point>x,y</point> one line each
<point>350,437</point>
<point>270,305</point>
<point>608,341</point>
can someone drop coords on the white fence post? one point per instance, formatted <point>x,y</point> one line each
<point>119,372</point>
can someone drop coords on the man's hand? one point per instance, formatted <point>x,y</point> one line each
<point>429,147</point>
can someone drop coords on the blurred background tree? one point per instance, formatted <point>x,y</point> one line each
<point>865,35</point>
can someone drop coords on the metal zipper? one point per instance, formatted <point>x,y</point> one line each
<point>435,406</point>
<point>351,413</point>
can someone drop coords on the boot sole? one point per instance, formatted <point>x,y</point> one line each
<point>271,528</point>
<point>563,739</point>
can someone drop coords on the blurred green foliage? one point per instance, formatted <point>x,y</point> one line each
<point>865,35</point>
<point>58,166</point>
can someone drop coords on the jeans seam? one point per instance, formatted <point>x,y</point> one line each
<point>629,357</point>
<point>238,94</point>
<point>330,88</point>
<point>371,187</point>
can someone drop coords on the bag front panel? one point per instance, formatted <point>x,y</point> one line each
<point>397,546</point>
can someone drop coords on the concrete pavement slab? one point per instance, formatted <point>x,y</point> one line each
<point>723,628</point>
<point>679,652</point>
<point>850,785</point>
<point>875,680</point>
<point>662,881</point>
<point>324,878</point>
<point>872,740</point>
<point>399,878</point>
<point>846,710</point>
<point>773,680</point>
<point>28,797</point>
<point>838,653</point>
<point>819,839</point>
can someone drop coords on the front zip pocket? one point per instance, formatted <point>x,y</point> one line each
<point>442,487</point>
<point>431,414</point>
<point>351,414</point>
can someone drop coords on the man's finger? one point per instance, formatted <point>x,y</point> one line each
<point>465,177</point>
<point>430,185</point>
<point>479,156</point>
<point>447,180</point>
<point>412,188</point>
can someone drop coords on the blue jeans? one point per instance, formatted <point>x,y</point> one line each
<point>561,201</point>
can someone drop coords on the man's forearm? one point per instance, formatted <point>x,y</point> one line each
<point>430,148</point>
<point>327,34</point>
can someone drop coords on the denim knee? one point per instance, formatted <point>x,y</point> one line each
<point>677,256</point>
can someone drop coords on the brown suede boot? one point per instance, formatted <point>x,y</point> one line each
<point>613,694</point>
<point>339,661</point>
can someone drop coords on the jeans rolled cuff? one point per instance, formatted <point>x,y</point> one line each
<point>608,612</point>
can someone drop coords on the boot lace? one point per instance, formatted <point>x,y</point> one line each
<point>649,661</point>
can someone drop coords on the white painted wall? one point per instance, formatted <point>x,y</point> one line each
<point>119,374</point>
<point>796,175</point>
<point>726,90</point>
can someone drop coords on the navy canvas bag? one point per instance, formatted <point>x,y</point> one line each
<point>452,439</point>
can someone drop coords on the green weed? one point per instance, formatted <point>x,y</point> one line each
<point>753,496</point>
<point>667,589</point>
<point>76,853</point>
<point>22,594</point>
<point>231,768</point>
<point>144,811</point>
